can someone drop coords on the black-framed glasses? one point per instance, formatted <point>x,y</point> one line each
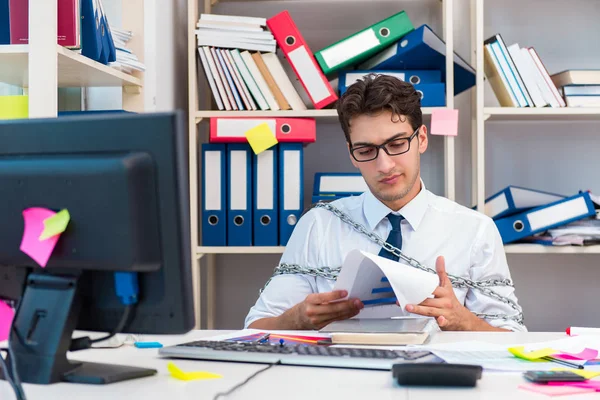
<point>392,147</point>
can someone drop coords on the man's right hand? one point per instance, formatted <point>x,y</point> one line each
<point>320,309</point>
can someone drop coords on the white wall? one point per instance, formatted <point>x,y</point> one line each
<point>555,291</point>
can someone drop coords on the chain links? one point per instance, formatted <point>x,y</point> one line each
<point>457,281</point>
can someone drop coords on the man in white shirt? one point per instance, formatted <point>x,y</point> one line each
<point>382,120</point>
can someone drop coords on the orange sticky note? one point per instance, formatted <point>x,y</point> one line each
<point>261,137</point>
<point>444,122</point>
<point>6,317</point>
<point>39,250</point>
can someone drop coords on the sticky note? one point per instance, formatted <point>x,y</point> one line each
<point>583,372</point>
<point>39,250</point>
<point>190,376</point>
<point>554,390</point>
<point>14,107</point>
<point>444,122</point>
<point>261,137</point>
<point>56,224</point>
<point>586,354</point>
<point>148,345</point>
<point>531,355</point>
<point>6,317</point>
<point>594,385</point>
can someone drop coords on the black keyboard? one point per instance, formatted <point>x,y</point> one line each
<point>304,350</point>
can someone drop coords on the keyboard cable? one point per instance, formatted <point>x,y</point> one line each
<point>239,385</point>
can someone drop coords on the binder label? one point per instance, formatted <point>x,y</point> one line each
<point>238,184</point>
<point>212,165</point>
<point>561,212</point>
<point>309,74</point>
<point>350,48</point>
<point>264,180</point>
<point>291,180</point>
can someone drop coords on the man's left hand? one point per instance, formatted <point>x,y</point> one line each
<point>449,313</point>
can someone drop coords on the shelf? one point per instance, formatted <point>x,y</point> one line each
<point>327,114</point>
<point>526,248</point>
<point>74,70</point>
<point>545,113</point>
<point>240,250</point>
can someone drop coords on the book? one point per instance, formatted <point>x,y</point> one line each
<point>381,331</point>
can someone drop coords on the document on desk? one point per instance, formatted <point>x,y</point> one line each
<point>378,282</point>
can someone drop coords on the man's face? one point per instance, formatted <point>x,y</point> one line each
<point>390,178</point>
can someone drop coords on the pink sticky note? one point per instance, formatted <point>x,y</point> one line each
<point>6,317</point>
<point>587,354</point>
<point>39,250</point>
<point>444,122</point>
<point>554,390</point>
<point>593,385</point>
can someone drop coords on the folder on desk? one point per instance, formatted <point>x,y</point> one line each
<point>540,219</point>
<point>416,77</point>
<point>422,49</point>
<point>362,45</point>
<point>266,222</point>
<point>291,188</point>
<point>302,60</point>
<point>514,199</point>
<point>4,22</point>
<point>214,195</point>
<point>233,130</point>
<point>239,190</point>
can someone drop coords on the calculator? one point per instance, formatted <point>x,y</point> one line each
<point>553,376</point>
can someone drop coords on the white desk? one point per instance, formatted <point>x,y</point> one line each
<point>280,382</point>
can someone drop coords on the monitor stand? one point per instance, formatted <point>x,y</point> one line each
<point>41,336</point>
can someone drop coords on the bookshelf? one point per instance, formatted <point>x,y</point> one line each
<point>42,66</point>
<point>197,116</point>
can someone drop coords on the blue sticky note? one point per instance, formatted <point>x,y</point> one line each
<point>148,345</point>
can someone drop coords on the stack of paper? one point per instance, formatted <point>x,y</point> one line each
<point>234,32</point>
<point>126,60</point>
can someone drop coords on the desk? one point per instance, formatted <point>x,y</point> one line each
<point>280,382</point>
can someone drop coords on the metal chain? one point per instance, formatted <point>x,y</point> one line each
<point>457,281</point>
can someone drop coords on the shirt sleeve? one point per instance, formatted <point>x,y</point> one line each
<point>285,291</point>
<point>489,262</point>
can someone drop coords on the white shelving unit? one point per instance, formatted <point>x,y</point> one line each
<point>42,66</point>
<point>483,114</point>
<point>196,116</point>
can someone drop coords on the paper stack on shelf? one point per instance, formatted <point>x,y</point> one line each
<point>234,32</point>
<point>126,60</point>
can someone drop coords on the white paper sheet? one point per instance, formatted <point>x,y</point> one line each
<point>362,272</point>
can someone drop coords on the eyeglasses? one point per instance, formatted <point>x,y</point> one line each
<point>393,147</point>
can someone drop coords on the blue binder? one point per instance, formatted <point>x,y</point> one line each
<point>239,191</point>
<point>4,22</point>
<point>291,188</point>
<point>540,219</point>
<point>266,221</point>
<point>514,199</point>
<point>339,184</point>
<point>422,49</point>
<point>416,77</point>
<point>108,52</point>
<point>214,194</point>
<point>91,39</point>
<point>432,94</point>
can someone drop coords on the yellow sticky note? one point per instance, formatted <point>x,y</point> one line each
<point>585,373</point>
<point>190,376</point>
<point>531,355</point>
<point>56,224</point>
<point>261,137</point>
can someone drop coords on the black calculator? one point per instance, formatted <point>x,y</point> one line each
<point>553,376</point>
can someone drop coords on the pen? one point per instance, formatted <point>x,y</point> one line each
<point>263,338</point>
<point>563,362</point>
<point>575,330</point>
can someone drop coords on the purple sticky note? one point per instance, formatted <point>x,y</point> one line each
<point>444,122</point>
<point>39,250</point>
<point>6,317</point>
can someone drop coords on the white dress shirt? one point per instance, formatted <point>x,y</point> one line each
<point>433,226</point>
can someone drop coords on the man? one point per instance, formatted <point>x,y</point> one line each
<point>382,120</point>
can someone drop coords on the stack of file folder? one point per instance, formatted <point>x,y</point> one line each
<point>253,199</point>
<point>520,213</point>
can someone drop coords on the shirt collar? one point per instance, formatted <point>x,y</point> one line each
<point>413,212</point>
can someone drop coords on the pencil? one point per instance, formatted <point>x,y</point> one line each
<point>563,362</point>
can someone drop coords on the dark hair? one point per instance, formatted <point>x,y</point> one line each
<point>376,93</point>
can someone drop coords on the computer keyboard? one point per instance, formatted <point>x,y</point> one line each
<point>313,355</point>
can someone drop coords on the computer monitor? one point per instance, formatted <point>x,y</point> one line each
<point>124,180</point>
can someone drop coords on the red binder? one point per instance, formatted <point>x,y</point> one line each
<point>301,59</point>
<point>67,20</point>
<point>233,130</point>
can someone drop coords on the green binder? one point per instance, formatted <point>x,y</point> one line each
<point>363,44</point>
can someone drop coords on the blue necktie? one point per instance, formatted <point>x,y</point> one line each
<point>395,236</point>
